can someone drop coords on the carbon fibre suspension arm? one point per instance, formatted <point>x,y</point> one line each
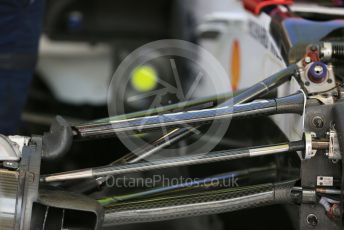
<point>289,104</point>
<point>106,128</point>
<point>206,203</point>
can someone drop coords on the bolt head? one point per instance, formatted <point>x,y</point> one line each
<point>308,60</point>
<point>318,122</point>
<point>312,220</point>
<point>317,72</point>
<point>318,69</point>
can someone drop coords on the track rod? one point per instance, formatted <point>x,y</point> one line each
<point>177,162</point>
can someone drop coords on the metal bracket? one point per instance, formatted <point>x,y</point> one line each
<point>9,151</point>
<point>310,87</point>
<point>334,151</point>
<point>20,141</point>
<point>309,151</point>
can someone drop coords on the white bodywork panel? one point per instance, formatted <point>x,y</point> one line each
<point>77,73</point>
<point>259,56</point>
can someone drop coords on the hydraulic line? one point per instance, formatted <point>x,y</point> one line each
<point>289,104</point>
<point>177,162</point>
<point>205,203</point>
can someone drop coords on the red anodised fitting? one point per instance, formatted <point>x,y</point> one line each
<point>256,6</point>
<point>312,55</point>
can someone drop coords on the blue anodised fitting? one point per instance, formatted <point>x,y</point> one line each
<point>317,73</point>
